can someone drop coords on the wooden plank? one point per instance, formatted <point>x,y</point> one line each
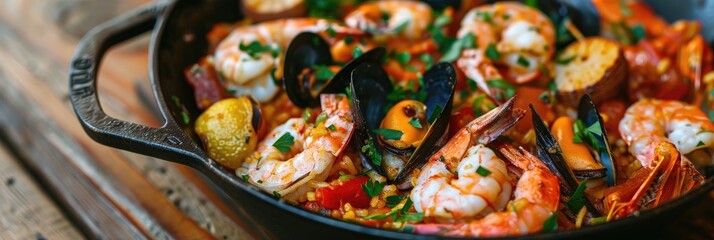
<point>184,196</point>
<point>27,212</point>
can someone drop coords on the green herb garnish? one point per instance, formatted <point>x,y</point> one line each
<point>388,134</point>
<point>393,201</point>
<point>492,52</point>
<point>284,142</point>
<point>323,73</point>
<point>564,61</point>
<point>255,49</point>
<point>577,201</point>
<point>415,123</point>
<point>373,188</point>
<point>403,58</point>
<point>357,52</point>
<point>454,50</point>
<point>482,171</point>
<point>332,127</point>
<point>551,224</point>
<point>276,194</point>
<point>320,118</point>
<point>507,88</point>
<point>371,151</point>
<point>523,62</point>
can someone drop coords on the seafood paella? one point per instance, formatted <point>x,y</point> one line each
<point>459,118</point>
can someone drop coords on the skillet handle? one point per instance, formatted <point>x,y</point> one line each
<point>169,141</point>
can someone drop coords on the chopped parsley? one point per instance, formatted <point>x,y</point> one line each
<point>523,62</point>
<point>323,73</point>
<point>373,188</point>
<point>476,106</point>
<point>323,8</point>
<point>400,215</point>
<point>441,158</point>
<point>331,31</point>
<point>403,58</point>
<point>348,39</point>
<point>492,52</point>
<point>307,114</point>
<point>577,201</point>
<point>507,88</point>
<point>371,151</point>
<point>389,134</point>
<point>184,116</point>
<point>320,118</point>
<point>284,142</point>
<point>454,51</point>
<point>357,52</point>
<point>486,16</point>
<point>332,127</point>
<point>244,177</point>
<point>700,143</point>
<point>482,171</point>
<point>276,194</point>
<point>587,134</point>
<point>393,201</point>
<point>551,224</point>
<point>566,60</point>
<point>415,123</point>
<point>255,49</point>
<point>427,59</point>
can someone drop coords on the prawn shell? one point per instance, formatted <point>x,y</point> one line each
<point>307,50</point>
<point>588,113</point>
<point>548,151</point>
<point>607,86</point>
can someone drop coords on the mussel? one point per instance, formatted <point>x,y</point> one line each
<point>421,126</point>
<point>307,51</point>
<point>548,150</point>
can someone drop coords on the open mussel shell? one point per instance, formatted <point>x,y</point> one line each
<point>439,83</point>
<point>370,86</point>
<point>588,113</point>
<point>548,150</point>
<point>307,50</point>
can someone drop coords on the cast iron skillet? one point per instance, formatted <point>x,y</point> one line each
<point>178,41</point>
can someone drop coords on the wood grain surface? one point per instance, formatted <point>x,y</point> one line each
<point>57,183</point>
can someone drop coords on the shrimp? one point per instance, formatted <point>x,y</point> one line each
<point>252,71</point>
<point>649,122</point>
<point>524,37</point>
<point>537,196</point>
<point>471,200</point>
<point>658,132</point>
<point>310,156</point>
<point>407,19</point>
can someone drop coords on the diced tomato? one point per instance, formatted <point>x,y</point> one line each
<point>614,111</point>
<point>460,118</point>
<point>350,191</point>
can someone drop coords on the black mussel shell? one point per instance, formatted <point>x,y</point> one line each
<point>439,83</point>
<point>306,50</point>
<point>548,150</point>
<point>588,113</point>
<point>370,86</point>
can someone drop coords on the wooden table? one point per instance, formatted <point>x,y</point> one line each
<point>56,183</point>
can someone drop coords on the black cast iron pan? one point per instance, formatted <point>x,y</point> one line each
<point>178,41</point>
